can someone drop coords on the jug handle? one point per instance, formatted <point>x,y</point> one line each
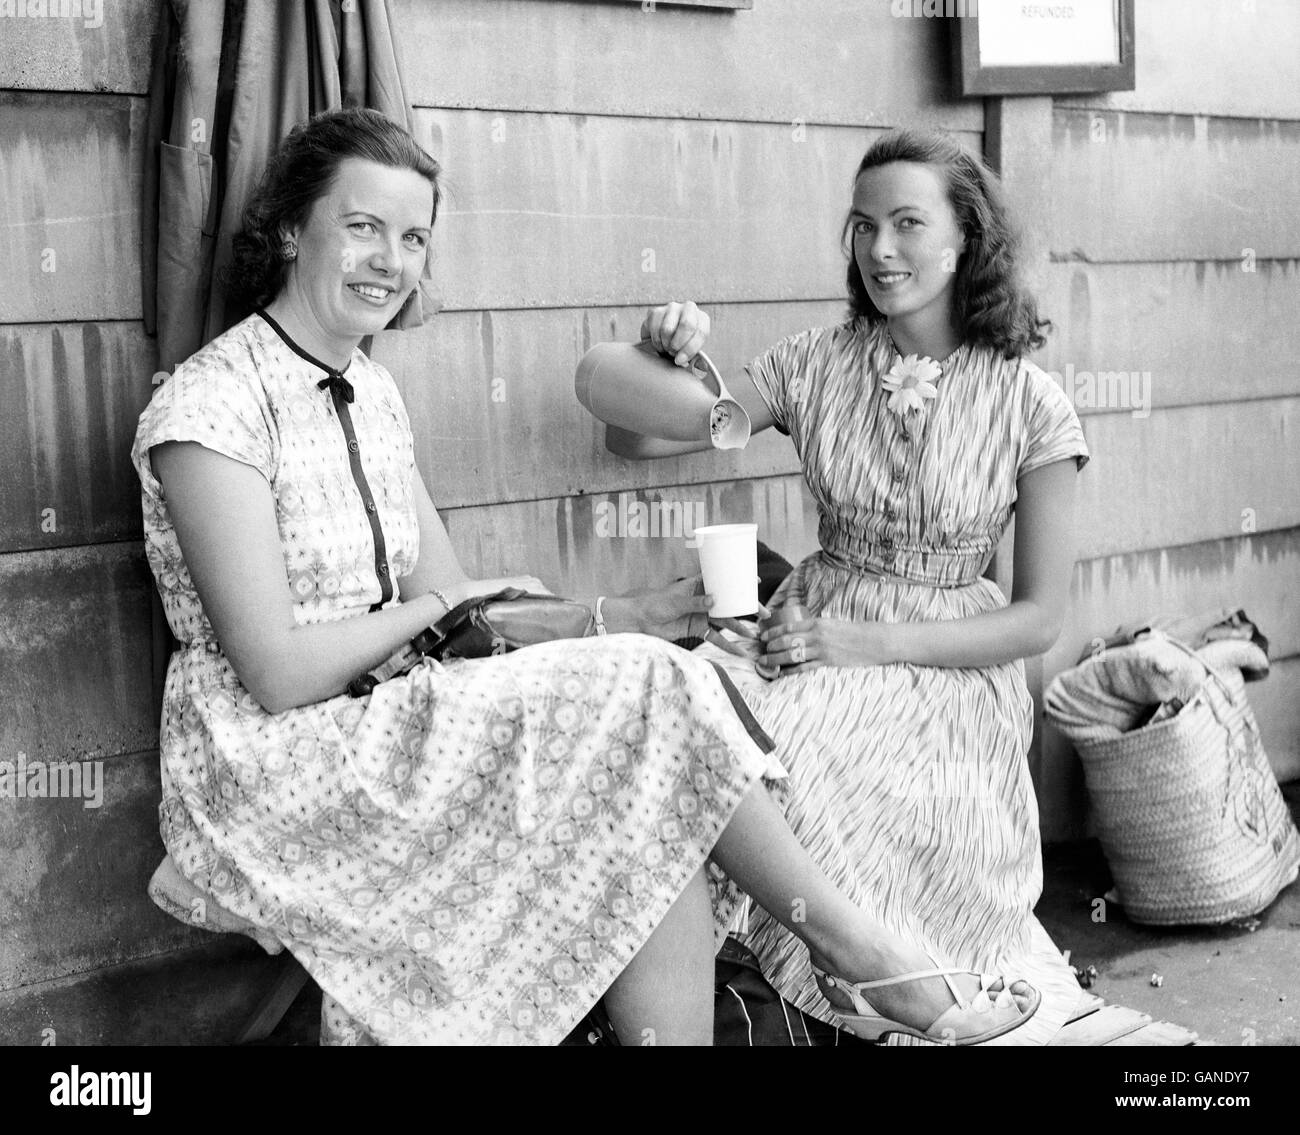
<point>722,394</point>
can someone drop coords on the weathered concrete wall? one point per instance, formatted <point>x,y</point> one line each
<point>75,372</point>
<point>1174,249</point>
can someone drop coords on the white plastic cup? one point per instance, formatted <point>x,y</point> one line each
<point>729,561</point>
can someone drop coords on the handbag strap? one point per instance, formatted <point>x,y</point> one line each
<point>466,608</point>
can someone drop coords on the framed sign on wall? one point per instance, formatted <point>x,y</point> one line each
<point>1040,47</point>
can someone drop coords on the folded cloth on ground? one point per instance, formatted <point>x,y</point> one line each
<point>1118,689</point>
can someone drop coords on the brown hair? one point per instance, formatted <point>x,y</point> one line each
<point>298,175</point>
<point>993,308</point>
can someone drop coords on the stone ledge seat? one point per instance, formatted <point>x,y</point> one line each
<point>180,898</point>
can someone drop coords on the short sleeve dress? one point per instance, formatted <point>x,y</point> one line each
<point>909,784</point>
<point>472,853</point>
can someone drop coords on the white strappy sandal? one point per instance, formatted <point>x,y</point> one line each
<point>953,1026</point>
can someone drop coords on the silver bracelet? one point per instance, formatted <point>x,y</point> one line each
<point>438,595</point>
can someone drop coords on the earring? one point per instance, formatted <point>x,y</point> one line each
<point>289,250</point>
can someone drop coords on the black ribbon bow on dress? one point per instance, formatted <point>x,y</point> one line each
<point>337,385</point>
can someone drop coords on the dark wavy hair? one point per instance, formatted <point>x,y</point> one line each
<point>993,307</point>
<point>298,175</point>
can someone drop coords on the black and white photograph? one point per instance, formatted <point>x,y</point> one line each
<point>603,523</point>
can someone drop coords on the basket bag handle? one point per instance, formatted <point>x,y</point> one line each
<point>1240,745</point>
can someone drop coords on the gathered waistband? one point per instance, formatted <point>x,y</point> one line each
<point>879,572</point>
<point>200,646</point>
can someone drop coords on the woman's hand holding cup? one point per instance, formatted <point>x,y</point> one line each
<point>782,635</point>
<point>678,330</point>
<point>679,610</point>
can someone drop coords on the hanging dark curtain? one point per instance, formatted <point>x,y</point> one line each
<point>230,79</point>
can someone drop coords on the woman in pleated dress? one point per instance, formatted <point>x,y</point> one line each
<point>901,711</point>
<point>473,853</point>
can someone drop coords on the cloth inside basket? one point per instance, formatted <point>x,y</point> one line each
<point>1126,687</point>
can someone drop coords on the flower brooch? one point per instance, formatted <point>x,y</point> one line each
<point>910,381</point>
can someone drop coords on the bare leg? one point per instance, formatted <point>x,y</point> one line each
<point>665,996</point>
<point>760,852</point>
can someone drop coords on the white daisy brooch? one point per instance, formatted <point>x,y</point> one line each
<point>910,382</point>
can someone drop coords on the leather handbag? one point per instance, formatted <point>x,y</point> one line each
<point>506,621</point>
<point>481,626</point>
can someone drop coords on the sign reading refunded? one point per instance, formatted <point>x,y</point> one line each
<point>1016,33</point>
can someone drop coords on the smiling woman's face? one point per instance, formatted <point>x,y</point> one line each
<point>361,250</point>
<point>906,239</point>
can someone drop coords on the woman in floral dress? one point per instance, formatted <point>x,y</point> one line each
<point>901,711</point>
<point>477,852</point>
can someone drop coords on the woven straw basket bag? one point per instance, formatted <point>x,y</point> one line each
<point>1189,813</point>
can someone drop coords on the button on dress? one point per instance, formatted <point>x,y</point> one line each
<point>910,784</point>
<point>472,853</point>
